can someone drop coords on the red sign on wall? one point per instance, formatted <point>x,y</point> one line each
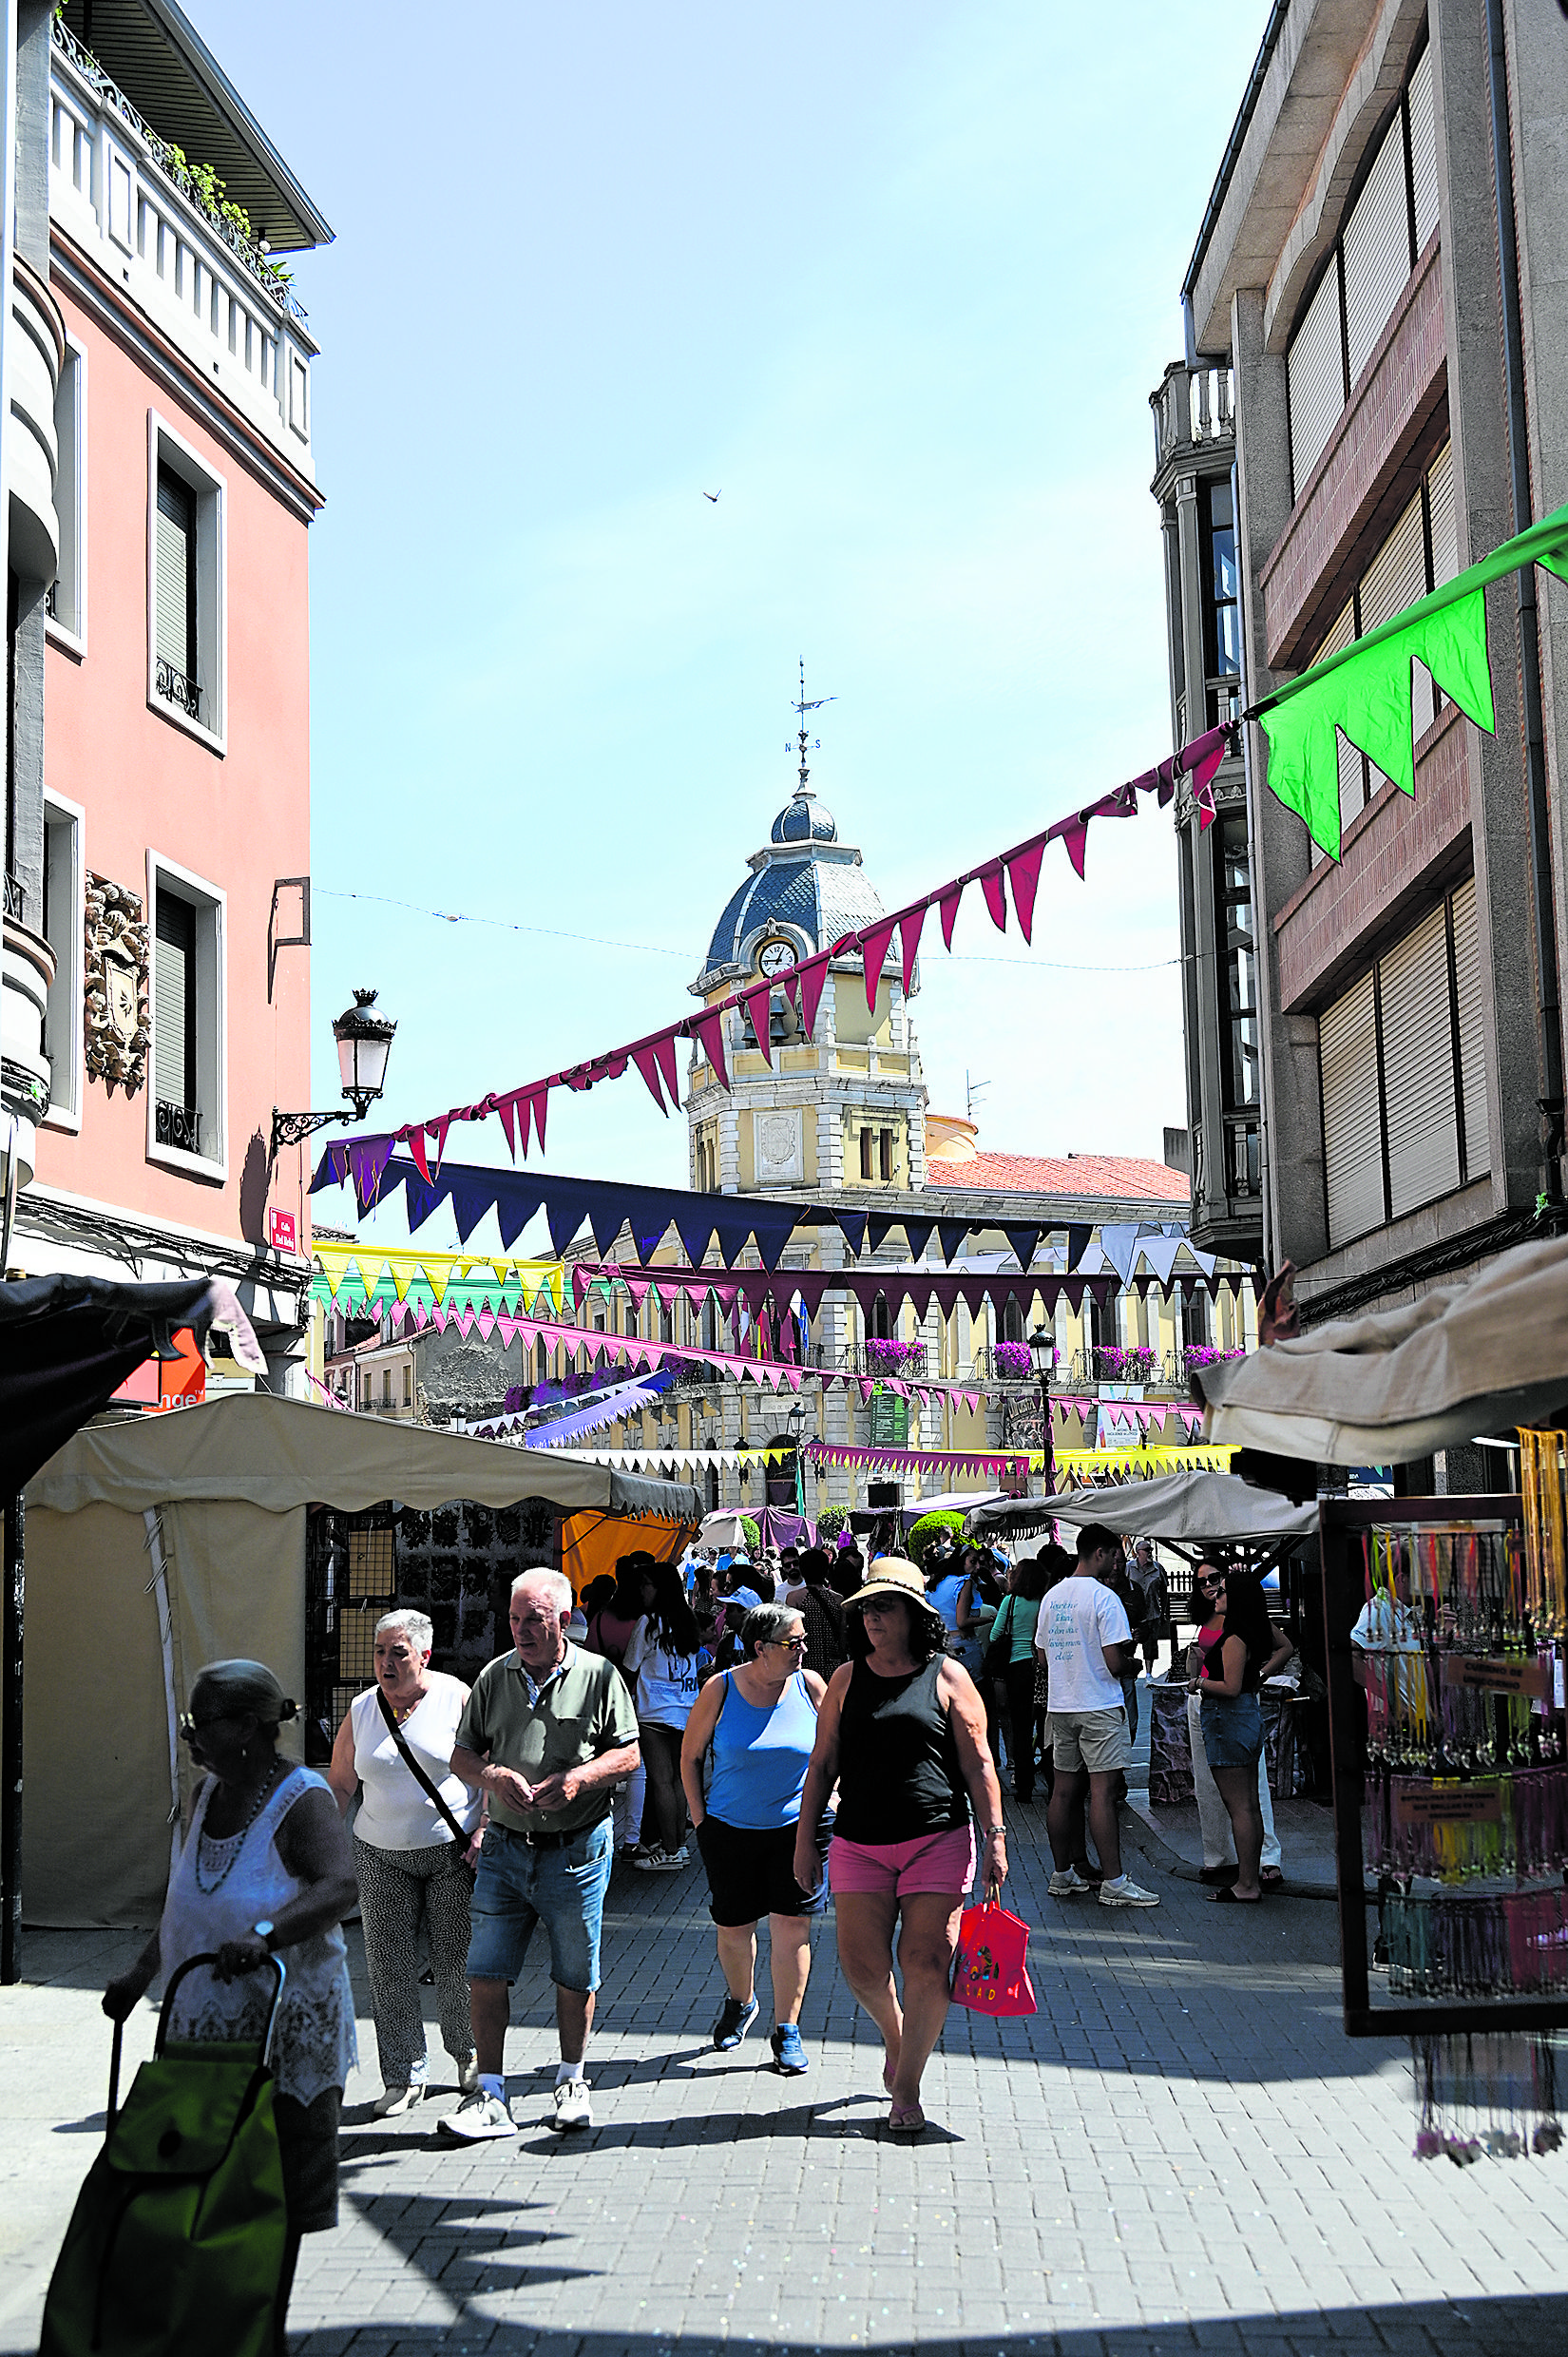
<point>281,1231</point>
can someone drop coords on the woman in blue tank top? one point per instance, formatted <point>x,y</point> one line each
<point>757,1725</point>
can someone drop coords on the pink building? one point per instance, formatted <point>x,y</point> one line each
<point>173,644</point>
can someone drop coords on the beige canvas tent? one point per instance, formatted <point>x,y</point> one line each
<point>164,1542</point>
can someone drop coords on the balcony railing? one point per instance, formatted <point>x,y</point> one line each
<point>1192,405</point>
<point>178,1126</point>
<point>176,688</point>
<point>15,898</point>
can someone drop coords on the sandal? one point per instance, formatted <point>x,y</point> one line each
<point>1271,1878</point>
<point>1227,1898</point>
<point>1217,1874</point>
<point>906,2119</point>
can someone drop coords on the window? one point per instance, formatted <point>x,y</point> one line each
<point>186,1110</point>
<point>66,603</point>
<point>1385,233</point>
<point>885,1155</point>
<point>666,1322</point>
<point>868,1147</point>
<point>1402,1067</point>
<point>1195,1319</point>
<point>1012,1321</point>
<point>407,1385</point>
<point>879,1321</point>
<point>185,593</point>
<point>1221,595</point>
<point>64,886</point>
<point>386,1386</point>
<point>1241,1082</point>
<point>1420,554</point>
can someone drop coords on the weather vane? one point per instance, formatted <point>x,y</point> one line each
<point>807,744</point>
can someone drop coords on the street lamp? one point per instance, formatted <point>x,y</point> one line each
<point>364,1042</point>
<point>1043,1358</point>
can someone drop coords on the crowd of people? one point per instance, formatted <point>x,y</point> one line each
<point>819,1725</point>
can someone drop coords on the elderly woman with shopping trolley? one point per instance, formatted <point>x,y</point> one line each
<point>415,1840</point>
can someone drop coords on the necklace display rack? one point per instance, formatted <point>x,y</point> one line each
<point>1449,1745</point>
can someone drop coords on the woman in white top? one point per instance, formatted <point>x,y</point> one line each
<point>264,1870</point>
<point>414,1854</point>
<point>661,1661</point>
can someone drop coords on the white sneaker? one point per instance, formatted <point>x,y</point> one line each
<point>394,2101</point>
<point>477,2117</point>
<point>673,1861</point>
<point>1125,1893</point>
<point>468,2076</point>
<point>1067,1883</point>
<point>572,2107</point>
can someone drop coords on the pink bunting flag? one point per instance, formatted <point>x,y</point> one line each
<point>507,1107</point>
<point>664,1052</point>
<point>814,976</point>
<point>537,1103</point>
<point>485,1321</point>
<point>950,901</point>
<point>438,1130</point>
<point>417,1147</point>
<point>709,1028</point>
<point>996,897</point>
<point>1023,875</point>
<point>647,1063</point>
<point>908,934</point>
<point>1074,832</point>
<point>759,1009</point>
<point>873,949</point>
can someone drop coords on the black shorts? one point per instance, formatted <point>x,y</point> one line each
<point>752,1874</point>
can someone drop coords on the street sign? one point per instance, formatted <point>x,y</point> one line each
<point>281,1231</point>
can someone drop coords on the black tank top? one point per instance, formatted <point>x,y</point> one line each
<point>898,1772</point>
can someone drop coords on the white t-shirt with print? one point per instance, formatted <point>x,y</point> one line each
<point>1078,1618</point>
<point>664,1683</point>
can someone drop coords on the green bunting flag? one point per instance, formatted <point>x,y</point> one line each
<point>1365,690</point>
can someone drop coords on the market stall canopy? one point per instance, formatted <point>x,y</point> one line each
<point>1464,1361</point>
<point>67,1343</point>
<point>278,1454</point>
<point>1178,1507</point>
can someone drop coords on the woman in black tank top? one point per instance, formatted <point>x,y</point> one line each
<point>902,1732</point>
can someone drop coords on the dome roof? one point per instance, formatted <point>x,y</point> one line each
<point>804,885</point>
<point>804,820</point>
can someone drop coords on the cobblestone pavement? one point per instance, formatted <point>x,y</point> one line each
<point>1180,2151</point>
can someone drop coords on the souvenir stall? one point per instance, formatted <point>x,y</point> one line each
<point>1445,1621</point>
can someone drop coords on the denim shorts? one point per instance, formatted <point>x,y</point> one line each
<point>518,1886</point>
<point>1232,1730</point>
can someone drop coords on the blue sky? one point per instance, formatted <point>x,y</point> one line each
<point>897,281</point>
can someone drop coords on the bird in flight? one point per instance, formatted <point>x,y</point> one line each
<point>715,496</point>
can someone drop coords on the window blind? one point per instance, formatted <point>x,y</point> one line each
<point>1377,251</point>
<point>1419,1110</point>
<point>1440,498</point>
<point>1315,371</point>
<point>1424,170</point>
<point>176,569</point>
<point>1353,1141</point>
<point>1395,579</point>
<point>1472,1049</point>
<point>174,1017</point>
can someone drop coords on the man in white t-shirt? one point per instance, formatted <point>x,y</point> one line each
<point>1084,1637</point>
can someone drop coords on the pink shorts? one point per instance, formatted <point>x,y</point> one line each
<point>943,1862</point>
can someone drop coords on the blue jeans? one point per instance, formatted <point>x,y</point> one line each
<point>518,1886</point>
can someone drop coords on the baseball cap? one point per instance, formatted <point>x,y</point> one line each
<point>748,1596</point>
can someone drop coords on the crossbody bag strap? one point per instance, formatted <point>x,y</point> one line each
<point>417,1773</point>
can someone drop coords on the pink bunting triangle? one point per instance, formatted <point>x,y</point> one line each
<point>759,1007</point>
<point>709,1028</point>
<point>908,934</point>
<point>507,1107</point>
<point>664,1052</point>
<point>996,897</point>
<point>950,899</point>
<point>417,1147</point>
<point>647,1063</point>
<point>438,1130</point>
<point>536,1105</point>
<point>813,975</point>
<point>874,948</point>
<point>1074,832</point>
<point>1023,875</point>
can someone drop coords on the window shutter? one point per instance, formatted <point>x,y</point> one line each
<point>1352,1143</point>
<point>176,554</point>
<point>1423,169</point>
<point>1315,369</point>
<point>1418,1067</point>
<point>1377,251</point>
<point>1440,496</point>
<point>174,1020</point>
<point>1397,578</point>
<point>1353,769</point>
<point>1472,1039</point>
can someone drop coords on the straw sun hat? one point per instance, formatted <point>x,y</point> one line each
<point>892,1575</point>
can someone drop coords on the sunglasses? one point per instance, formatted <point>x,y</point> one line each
<point>191,1726</point>
<point>788,1644</point>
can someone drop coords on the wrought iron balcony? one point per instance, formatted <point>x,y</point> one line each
<point>15,898</point>
<point>176,689</point>
<point>178,1126</point>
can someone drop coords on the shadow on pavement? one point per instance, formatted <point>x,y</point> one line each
<point>1425,2329</point>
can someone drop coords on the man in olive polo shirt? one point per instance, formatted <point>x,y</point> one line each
<point>547,1733</point>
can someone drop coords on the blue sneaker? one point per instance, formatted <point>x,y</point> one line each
<point>789,2056</point>
<point>732,2024</point>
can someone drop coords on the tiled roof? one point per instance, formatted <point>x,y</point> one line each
<point>1098,1175</point>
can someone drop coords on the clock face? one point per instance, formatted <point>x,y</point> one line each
<point>775,956</point>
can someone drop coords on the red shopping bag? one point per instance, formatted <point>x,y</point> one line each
<point>991,1969</point>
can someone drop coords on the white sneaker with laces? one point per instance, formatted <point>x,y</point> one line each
<point>1125,1893</point>
<point>394,2101</point>
<point>1067,1883</point>
<point>477,2117</point>
<point>572,2107</point>
<point>673,1861</point>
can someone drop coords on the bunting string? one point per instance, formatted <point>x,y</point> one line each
<point>522,1111</point>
